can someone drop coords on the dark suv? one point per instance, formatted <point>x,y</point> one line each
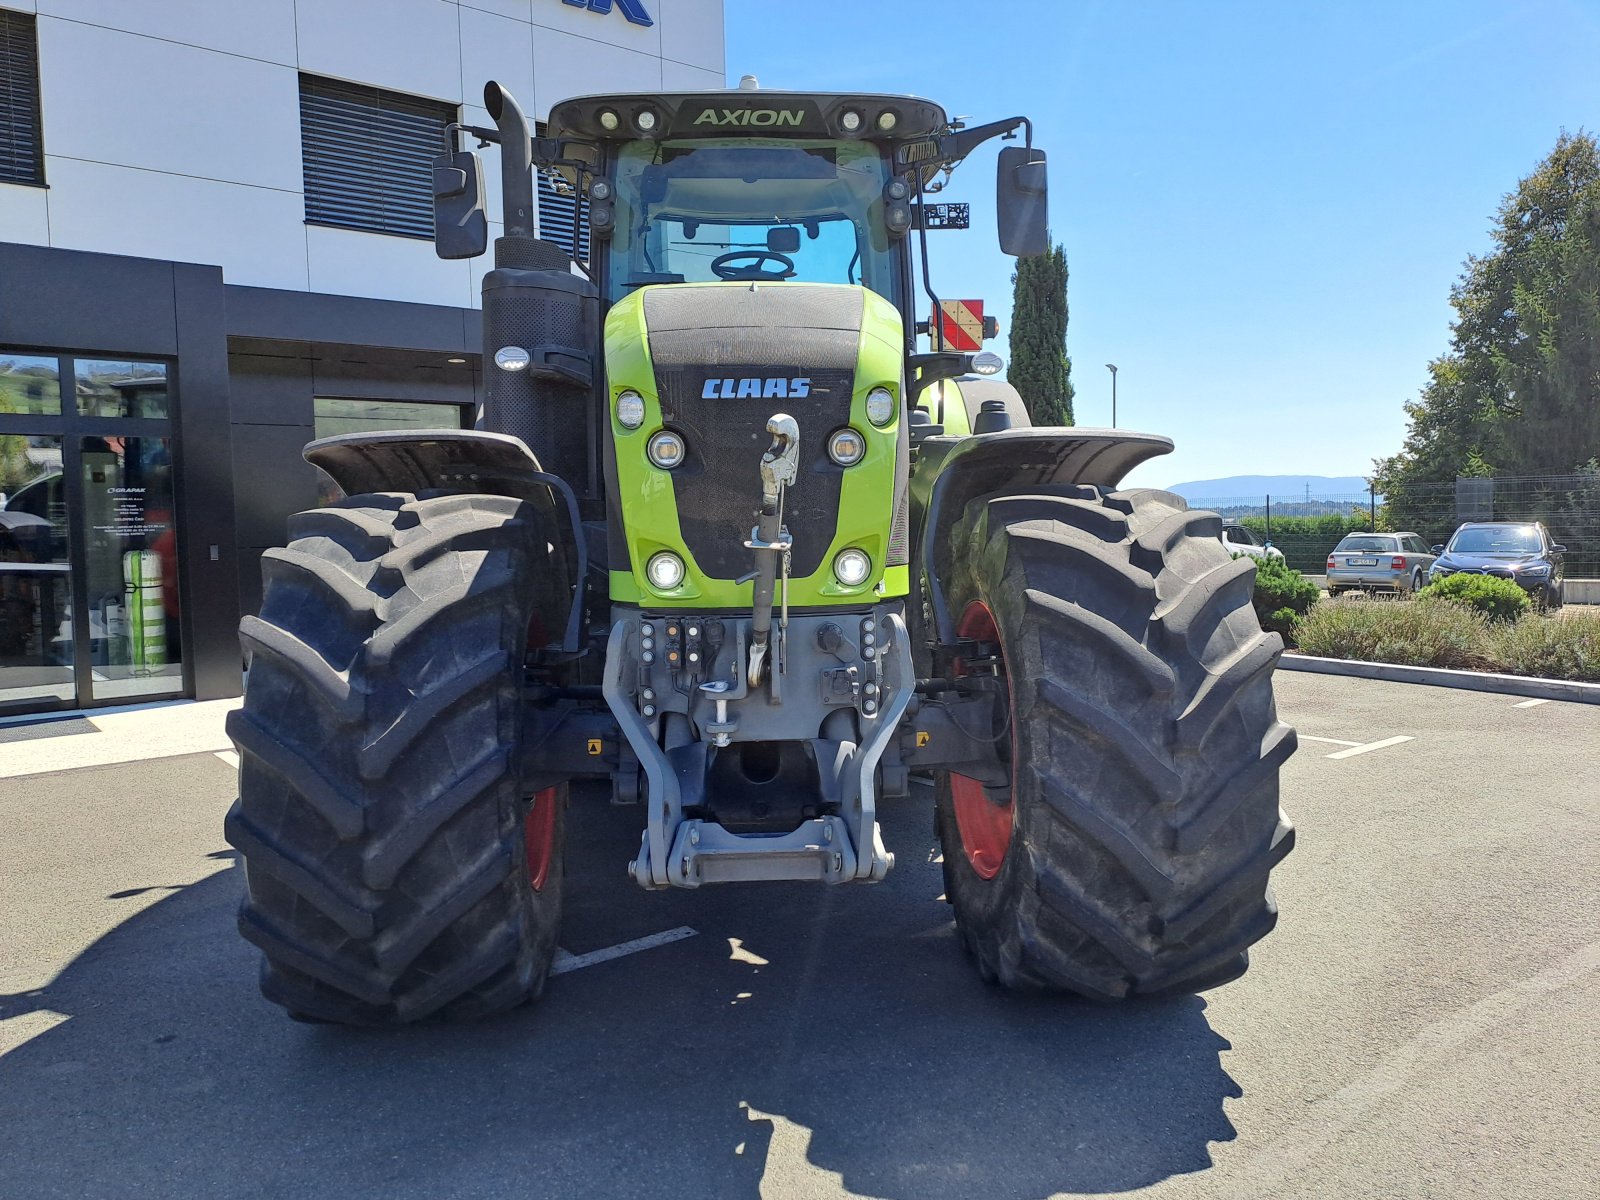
<point>1520,551</point>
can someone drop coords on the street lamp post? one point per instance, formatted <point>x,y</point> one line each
<point>1112,367</point>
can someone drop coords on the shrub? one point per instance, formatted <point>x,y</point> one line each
<point>1428,633</point>
<point>1498,599</point>
<point>1282,595</point>
<point>1563,647</point>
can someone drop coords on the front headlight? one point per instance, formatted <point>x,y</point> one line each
<point>852,567</point>
<point>630,410</point>
<point>880,406</point>
<point>1533,570</point>
<point>666,449</point>
<point>665,571</point>
<point>847,447</point>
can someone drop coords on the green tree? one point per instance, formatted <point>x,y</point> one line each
<point>1040,369</point>
<point>1518,393</point>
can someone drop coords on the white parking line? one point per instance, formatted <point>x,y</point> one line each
<point>1355,750</point>
<point>1306,737</point>
<point>565,962</point>
<point>1530,704</point>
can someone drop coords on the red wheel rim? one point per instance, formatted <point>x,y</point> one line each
<point>539,832</point>
<point>985,826</point>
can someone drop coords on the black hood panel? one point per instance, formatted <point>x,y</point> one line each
<point>710,344</point>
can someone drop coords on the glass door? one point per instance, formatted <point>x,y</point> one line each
<point>89,601</point>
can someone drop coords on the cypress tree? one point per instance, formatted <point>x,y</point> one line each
<point>1040,369</point>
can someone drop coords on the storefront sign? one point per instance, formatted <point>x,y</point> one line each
<point>128,514</point>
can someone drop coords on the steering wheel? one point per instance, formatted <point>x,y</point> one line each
<point>731,268</point>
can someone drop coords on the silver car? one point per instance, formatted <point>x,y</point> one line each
<point>1379,562</point>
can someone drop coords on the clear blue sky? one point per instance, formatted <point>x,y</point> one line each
<point>1263,204</point>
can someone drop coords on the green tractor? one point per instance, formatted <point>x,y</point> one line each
<point>731,542</point>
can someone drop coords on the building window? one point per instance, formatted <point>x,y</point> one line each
<point>336,415</point>
<point>21,129</point>
<point>563,215</point>
<point>368,156</point>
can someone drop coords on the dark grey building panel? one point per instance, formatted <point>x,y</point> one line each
<point>50,296</point>
<point>270,388</point>
<point>392,375</point>
<point>271,481</point>
<point>207,541</point>
<point>351,320</point>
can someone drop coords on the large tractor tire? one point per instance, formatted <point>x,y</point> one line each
<point>1130,854</point>
<point>394,870</point>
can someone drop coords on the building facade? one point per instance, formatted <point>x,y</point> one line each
<point>215,245</point>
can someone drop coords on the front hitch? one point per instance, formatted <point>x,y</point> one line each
<point>779,467</point>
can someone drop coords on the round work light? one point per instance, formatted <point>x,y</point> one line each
<point>608,120</point>
<point>512,358</point>
<point>630,410</point>
<point>851,567</point>
<point>887,121</point>
<point>665,570</point>
<point>850,120</point>
<point>880,406</point>
<point>847,447</point>
<point>666,449</point>
<point>646,120</point>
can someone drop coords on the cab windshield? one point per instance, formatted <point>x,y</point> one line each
<point>698,210</point>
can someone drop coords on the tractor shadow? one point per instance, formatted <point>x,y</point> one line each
<point>800,1043</point>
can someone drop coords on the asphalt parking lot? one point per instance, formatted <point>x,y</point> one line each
<point>1421,1024</point>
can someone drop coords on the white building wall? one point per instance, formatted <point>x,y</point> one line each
<point>172,127</point>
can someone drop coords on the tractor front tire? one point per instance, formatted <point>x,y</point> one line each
<point>394,870</point>
<point>1131,853</point>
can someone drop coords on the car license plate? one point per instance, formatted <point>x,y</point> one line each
<point>1361,562</point>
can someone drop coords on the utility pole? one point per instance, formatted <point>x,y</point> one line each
<point>1112,367</point>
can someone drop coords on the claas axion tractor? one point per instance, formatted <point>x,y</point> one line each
<point>731,541</point>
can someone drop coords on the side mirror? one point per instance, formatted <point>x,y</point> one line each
<point>460,225</point>
<point>1436,549</point>
<point>1022,197</point>
<point>1558,549</point>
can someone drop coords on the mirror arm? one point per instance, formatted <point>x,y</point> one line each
<point>484,136</point>
<point>953,147</point>
<point>935,338</point>
<point>924,370</point>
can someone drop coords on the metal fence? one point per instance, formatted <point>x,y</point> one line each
<point>1307,526</point>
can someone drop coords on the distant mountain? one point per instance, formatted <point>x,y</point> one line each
<point>1287,488</point>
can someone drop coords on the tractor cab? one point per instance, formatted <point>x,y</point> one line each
<point>756,188</point>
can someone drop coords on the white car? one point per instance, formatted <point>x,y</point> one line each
<point>1240,540</point>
